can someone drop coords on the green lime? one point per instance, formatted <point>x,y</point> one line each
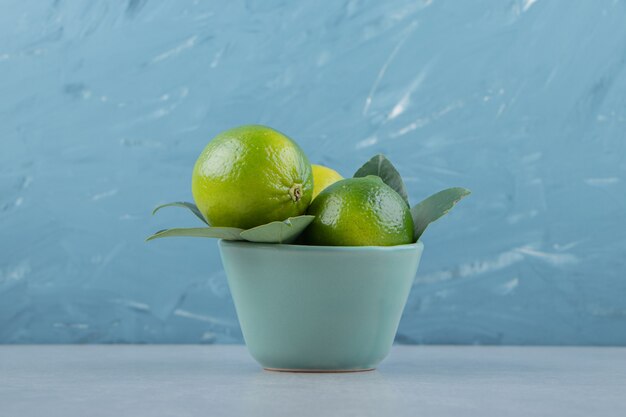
<point>323,177</point>
<point>251,175</point>
<point>359,212</point>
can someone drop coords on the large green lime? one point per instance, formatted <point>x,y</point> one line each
<point>359,212</point>
<point>251,175</point>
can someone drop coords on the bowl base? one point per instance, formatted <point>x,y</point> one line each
<point>319,371</point>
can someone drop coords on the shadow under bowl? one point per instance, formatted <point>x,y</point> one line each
<point>319,308</point>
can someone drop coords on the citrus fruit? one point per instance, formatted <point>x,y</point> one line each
<point>359,212</point>
<point>251,175</point>
<point>323,177</point>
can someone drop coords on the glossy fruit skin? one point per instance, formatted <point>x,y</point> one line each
<point>359,212</point>
<point>251,175</point>
<point>323,177</point>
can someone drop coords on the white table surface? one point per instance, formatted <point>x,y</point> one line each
<point>224,381</point>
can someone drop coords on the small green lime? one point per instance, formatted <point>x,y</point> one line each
<point>359,212</point>
<point>251,175</point>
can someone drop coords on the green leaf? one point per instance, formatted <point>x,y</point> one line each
<point>226,233</point>
<point>191,206</point>
<point>278,232</point>
<point>434,207</point>
<point>380,166</point>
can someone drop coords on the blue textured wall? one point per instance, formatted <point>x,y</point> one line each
<point>104,107</point>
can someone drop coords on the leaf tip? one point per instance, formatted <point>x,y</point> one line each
<point>155,235</point>
<point>159,207</point>
<point>464,191</point>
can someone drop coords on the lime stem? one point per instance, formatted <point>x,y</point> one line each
<point>296,192</point>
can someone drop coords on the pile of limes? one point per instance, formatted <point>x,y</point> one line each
<point>253,175</point>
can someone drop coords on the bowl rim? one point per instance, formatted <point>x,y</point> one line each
<point>409,247</point>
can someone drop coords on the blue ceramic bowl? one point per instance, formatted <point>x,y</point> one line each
<point>319,308</point>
